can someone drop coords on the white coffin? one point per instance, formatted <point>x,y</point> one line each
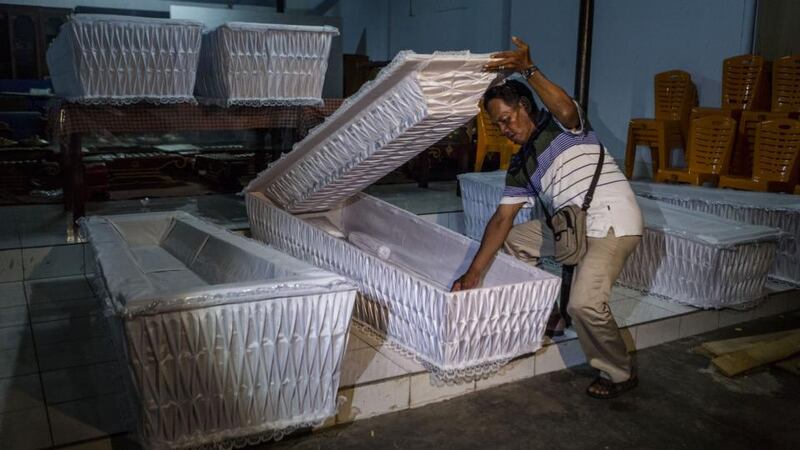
<point>757,208</point>
<point>264,64</point>
<point>308,204</point>
<point>227,341</point>
<point>103,59</point>
<point>693,258</point>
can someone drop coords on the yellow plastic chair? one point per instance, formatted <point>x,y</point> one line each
<point>745,83</point>
<point>490,139</point>
<point>744,147</point>
<point>709,151</point>
<point>675,94</point>
<point>786,84</point>
<point>776,154</point>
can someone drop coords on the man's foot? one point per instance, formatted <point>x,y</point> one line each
<point>603,388</point>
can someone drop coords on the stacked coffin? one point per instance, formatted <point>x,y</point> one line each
<point>693,258</point>
<point>228,342</point>
<point>264,64</point>
<point>308,204</point>
<point>121,59</point>
<point>757,208</point>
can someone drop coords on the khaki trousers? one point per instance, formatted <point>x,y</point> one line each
<point>594,277</point>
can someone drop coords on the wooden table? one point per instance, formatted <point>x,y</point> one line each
<point>68,122</point>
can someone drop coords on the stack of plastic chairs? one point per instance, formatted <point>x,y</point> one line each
<point>490,139</point>
<point>709,151</point>
<point>777,146</point>
<point>675,95</point>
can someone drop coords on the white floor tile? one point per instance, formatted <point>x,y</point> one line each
<point>632,311</point>
<point>11,265</point>
<point>18,393</point>
<point>367,365</point>
<point>354,342</point>
<point>424,390</point>
<point>87,419</point>
<point>729,317</point>
<point>18,361</point>
<point>26,429</point>
<point>55,289</point>
<point>518,369</point>
<point>79,353</point>
<point>373,399</point>
<point>698,322</point>
<point>68,330</point>
<point>57,261</point>
<point>12,294</point>
<point>559,356</point>
<point>408,364</point>
<point>64,310</point>
<point>659,332</point>
<point>76,383</point>
<point>89,263</point>
<point>12,338</point>
<point>13,316</point>
<point>674,307</point>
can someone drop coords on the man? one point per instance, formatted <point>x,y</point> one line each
<point>560,153</point>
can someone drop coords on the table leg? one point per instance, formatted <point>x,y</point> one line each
<point>66,174</point>
<point>78,194</point>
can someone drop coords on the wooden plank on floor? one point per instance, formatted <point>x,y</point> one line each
<point>791,365</point>
<point>715,348</point>
<point>758,354</point>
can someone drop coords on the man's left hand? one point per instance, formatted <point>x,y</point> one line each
<point>511,60</point>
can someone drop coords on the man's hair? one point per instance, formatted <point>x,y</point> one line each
<point>511,92</point>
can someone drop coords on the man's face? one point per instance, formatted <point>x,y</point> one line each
<point>513,121</point>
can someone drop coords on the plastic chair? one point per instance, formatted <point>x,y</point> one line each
<point>786,84</point>
<point>709,150</point>
<point>745,84</point>
<point>776,155</point>
<point>490,139</point>
<point>675,94</point>
<point>744,147</point>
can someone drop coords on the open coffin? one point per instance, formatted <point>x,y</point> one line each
<point>226,340</point>
<point>121,59</point>
<point>757,208</point>
<point>693,258</point>
<point>259,64</point>
<point>308,204</point>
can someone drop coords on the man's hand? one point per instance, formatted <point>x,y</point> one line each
<point>512,60</point>
<point>469,280</point>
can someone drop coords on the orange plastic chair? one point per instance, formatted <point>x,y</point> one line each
<point>776,156</point>
<point>744,147</point>
<point>490,139</point>
<point>709,150</point>
<point>675,94</point>
<point>786,84</point>
<point>745,84</point>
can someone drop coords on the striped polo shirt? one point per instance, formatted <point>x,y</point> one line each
<point>561,164</point>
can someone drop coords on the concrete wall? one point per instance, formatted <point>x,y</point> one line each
<point>633,40</point>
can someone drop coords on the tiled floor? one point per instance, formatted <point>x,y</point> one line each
<point>60,376</point>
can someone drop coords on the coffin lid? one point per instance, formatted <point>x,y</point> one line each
<point>250,26</point>
<point>110,18</point>
<point>704,228</point>
<point>413,103</point>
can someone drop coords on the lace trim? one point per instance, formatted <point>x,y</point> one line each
<point>439,376</point>
<point>257,102</point>
<point>120,101</point>
<point>738,306</point>
<point>783,282</point>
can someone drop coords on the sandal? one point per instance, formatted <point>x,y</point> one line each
<point>604,389</point>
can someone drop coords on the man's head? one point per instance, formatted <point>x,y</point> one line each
<point>512,107</point>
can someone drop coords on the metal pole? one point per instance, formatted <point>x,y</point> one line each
<point>584,59</point>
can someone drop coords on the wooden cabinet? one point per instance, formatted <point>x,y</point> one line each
<point>25,33</point>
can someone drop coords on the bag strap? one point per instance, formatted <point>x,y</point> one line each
<point>587,199</point>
